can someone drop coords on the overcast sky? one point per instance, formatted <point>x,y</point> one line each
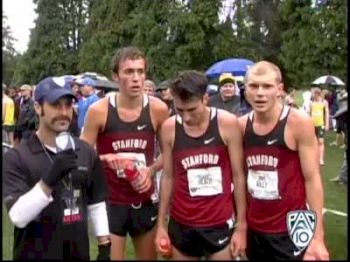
<point>20,17</point>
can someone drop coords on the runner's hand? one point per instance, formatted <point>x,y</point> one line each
<point>144,181</point>
<point>238,242</point>
<point>115,161</point>
<point>161,233</point>
<point>316,251</point>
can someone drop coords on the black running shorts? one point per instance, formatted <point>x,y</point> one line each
<point>267,247</point>
<point>199,242</point>
<point>134,219</point>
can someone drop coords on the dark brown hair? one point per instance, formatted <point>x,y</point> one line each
<point>189,84</point>
<point>124,53</point>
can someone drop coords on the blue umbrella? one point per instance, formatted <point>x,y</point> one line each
<point>236,66</point>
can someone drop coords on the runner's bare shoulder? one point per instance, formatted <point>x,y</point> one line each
<point>100,105</point>
<point>159,111</point>
<point>169,123</point>
<point>168,129</point>
<point>98,110</point>
<point>298,122</point>
<point>157,104</point>
<point>242,120</point>
<point>225,116</point>
<point>228,124</point>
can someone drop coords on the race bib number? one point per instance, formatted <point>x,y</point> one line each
<point>204,181</point>
<point>263,184</point>
<point>139,160</point>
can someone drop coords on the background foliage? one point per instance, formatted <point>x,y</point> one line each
<point>305,39</point>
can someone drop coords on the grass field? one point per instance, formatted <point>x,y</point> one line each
<point>335,198</point>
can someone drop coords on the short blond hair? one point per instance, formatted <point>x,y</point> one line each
<point>263,67</point>
<point>317,90</point>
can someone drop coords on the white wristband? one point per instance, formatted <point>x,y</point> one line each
<point>28,206</point>
<point>98,215</point>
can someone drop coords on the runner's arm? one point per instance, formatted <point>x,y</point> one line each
<point>3,111</point>
<point>156,165</point>
<point>235,149</point>
<point>167,178</point>
<point>160,113</point>
<point>307,147</point>
<point>326,115</point>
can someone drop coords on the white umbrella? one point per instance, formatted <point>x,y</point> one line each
<point>101,82</point>
<point>328,80</point>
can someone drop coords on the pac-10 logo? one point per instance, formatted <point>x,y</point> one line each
<point>301,226</point>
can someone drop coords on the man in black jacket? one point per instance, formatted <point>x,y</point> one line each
<point>50,193</point>
<point>163,93</point>
<point>26,118</point>
<point>226,99</point>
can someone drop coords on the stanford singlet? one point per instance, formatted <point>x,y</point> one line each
<point>202,195</point>
<point>136,138</point>
<point>275,181</point>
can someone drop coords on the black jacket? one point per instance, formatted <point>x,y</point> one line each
<point>232,105</point>
<point>27,119</point>
<point>48,236</point>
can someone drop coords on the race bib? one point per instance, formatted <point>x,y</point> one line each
<point>138,158</point>
<point>263,184</point>
<point>204,181</point>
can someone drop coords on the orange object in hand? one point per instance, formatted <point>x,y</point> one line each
<point>165,245</point>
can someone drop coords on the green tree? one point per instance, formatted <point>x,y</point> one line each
<point>330,56</point>
<point>54,42</point>
<point>9,54</point>
<point>106,30</point>
<point>298,41</point>
<point>150,27</point>
<point>195,30</point>
<point>174,35</point>
<point>315,41</point>
<point>72,36</point>
<point>237,41</point>
<point>177,35</point>
<point>254,32</point>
